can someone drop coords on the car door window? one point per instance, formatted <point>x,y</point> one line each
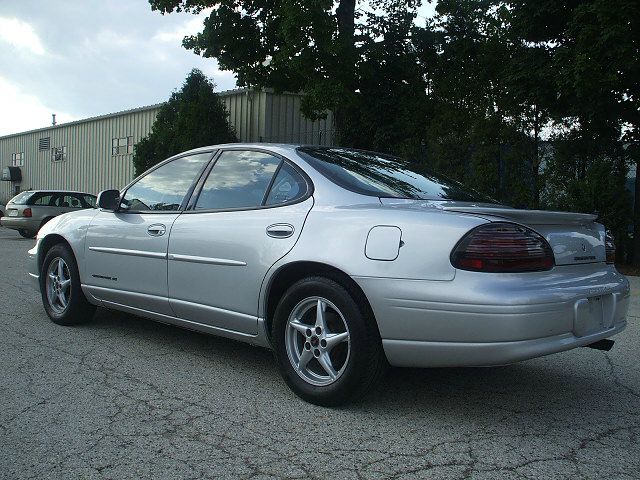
<point>90,200</point>
<point>239,179</point>
<point>165,188</point>
<point>41,199</point>
<point>288,186</point>
<point>71,201</point>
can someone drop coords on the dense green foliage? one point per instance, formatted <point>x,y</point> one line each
<point>534,102</point>
<point>193,117</point>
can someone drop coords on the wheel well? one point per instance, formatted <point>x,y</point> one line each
<point>45,220</point>
<point>47,243</point>
<point>291,273</point>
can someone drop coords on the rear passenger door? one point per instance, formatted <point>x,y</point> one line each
<point>245,215</point>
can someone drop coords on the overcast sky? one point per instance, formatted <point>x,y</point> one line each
<point>81,58</point>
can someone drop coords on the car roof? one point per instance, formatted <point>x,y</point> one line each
<point>260,146</point>
<point>43,190</point>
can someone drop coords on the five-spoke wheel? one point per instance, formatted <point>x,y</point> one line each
<point>326,341</point>
<point>318,341</point>
<point>58,285</point>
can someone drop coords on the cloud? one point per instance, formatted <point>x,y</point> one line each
<point>20,35</point>
<point>22,111</point>
<point>100,57</point>
<point>190,27</point>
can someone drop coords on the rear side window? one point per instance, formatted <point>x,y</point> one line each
<point>164,188</point>
<point>239,179</point>
<point>70,201</point>
<point>21,198</point>
<point>385,176</point>
<point>41,199</point>
<point>288,186</point>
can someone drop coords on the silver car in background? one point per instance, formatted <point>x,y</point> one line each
<point>28,211</point>
<point>342,261</point>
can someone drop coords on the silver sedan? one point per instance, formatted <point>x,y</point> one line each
<point>341,261</point>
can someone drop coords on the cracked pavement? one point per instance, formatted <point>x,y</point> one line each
<point>123,397</point>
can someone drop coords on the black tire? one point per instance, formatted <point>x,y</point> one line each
<point>365,363</point>
<point>26,233</point>
<point>78,310</point>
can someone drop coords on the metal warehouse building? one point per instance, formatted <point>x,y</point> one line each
<point>96,153</point>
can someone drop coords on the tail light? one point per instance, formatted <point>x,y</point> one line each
<point>610,247</point>
<point>502,247</point>
<point>26,212</point>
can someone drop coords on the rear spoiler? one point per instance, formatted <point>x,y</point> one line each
<point>529,217</point>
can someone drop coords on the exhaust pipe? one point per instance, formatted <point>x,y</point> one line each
<point>604,344</point>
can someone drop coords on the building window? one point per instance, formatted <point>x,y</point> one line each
<point>17,159</point>
<point>58,154</point>
<point>121,146</point>
<point>44,144</point>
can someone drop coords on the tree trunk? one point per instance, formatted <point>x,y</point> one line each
<point>345,16</point>
<point>636,215</point>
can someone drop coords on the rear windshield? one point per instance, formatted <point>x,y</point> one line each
<point>385,176</point>
<point>21,198</point>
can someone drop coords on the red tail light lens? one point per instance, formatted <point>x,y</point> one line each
<point>26,212</point>
<point>502,247</point>
<point>610,247</point>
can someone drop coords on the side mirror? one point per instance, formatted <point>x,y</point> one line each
<point>109,200</point>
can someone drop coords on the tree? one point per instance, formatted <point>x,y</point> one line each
<point>193,117</point>
<point>593,48</point>
<point>316,47</point>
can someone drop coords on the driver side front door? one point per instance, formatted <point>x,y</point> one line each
<point>126,250</point>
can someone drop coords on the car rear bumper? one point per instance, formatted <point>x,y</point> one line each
<point>487,319</point>
<point>20,223</point>
<point>407,353</point>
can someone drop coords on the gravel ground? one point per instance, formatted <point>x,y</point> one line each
<point>124,397</point>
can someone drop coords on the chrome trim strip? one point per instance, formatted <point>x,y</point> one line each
<point>212,309</point>
<point>206,260</point>
<point>133,253</point>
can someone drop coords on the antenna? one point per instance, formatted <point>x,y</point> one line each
<point>53,119</point>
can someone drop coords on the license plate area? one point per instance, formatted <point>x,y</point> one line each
<point>591,315</point>
<point>13,213</point>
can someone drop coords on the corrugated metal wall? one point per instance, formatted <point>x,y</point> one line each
<point>89,165</point>
<point>257,116</point>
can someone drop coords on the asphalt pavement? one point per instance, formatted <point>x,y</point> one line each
<point>127,398</point>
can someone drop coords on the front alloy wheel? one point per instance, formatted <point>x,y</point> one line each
<point>58,285</point>
<point>61,290</point>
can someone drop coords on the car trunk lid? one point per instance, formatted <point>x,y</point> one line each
<point>575,238</point>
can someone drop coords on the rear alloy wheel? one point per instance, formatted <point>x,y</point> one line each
<point>60,288</point>
<point>317,330</point>
<point>327,346</point>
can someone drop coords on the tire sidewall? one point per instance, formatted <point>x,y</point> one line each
<point>348,383</point>
<point>69,316</point>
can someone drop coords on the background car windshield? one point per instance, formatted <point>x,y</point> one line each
<point>380,175</point>
<point>21,198</point>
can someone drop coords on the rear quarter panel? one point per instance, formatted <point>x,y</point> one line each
<point>337,236</point>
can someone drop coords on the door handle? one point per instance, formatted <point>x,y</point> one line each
<point>280,230</point>
<point>156,230</point>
